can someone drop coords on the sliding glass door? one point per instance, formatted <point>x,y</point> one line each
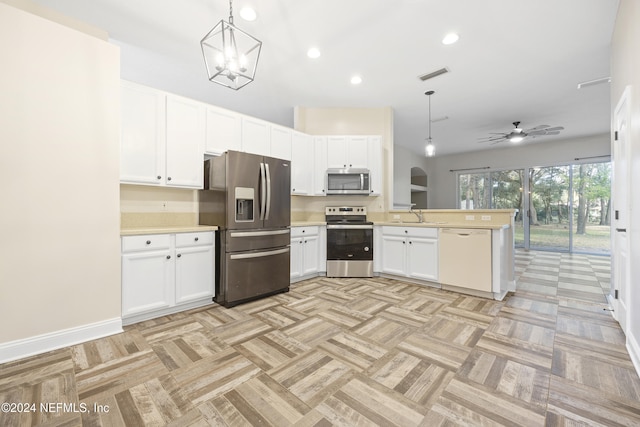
<point>495,190</point>
<point>559,208</point>
<point>549,216</point>
<point>591,208</point>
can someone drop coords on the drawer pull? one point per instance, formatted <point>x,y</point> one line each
<point>196,239</point>
<point>148,242</point>
<point>168,256</point>
<point>179,255</point>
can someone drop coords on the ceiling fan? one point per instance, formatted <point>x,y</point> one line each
<point>518,134</point>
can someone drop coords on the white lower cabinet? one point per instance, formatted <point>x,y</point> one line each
<point>410,252</point>
<point>166,273</point>
<point>306,252</point>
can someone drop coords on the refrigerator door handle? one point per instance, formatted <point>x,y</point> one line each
<point>259,254</point>
<point>268,174</point>
<point>259,233</point>
<point>263,190</point>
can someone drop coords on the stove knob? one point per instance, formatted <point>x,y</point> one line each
<point>366,248</point>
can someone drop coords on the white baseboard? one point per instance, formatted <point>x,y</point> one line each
<point>633,347</point>
<point>19,349</point>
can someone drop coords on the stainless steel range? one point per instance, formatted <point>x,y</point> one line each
<point>349,242</point>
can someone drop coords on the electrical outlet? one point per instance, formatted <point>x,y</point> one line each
<point>470,217</point>
<point>396,216</point>
<point>486,217</point>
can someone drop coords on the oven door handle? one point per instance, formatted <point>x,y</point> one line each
<point>349,227</point>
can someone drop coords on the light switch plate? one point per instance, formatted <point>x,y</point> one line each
<point>470,217</point>
<point>486,217</point>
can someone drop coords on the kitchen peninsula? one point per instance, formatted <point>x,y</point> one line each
<point>421,252</point>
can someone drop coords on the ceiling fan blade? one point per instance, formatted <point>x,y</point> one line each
<point>537,132</point>
<point>557,132</point>
<point>494,138</point>
<point>554,129</point>
<point>537,128</point>
<point>497,142</point>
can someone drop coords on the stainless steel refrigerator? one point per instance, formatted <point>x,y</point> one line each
<point>248,197</point>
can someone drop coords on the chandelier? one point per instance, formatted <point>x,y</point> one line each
<point>430,149</point>
<point>230,54</point>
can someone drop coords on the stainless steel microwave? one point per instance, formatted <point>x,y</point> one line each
<point>348,181</point>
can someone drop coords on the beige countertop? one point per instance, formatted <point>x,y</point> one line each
<point>416,224</point>
<point>444,225</point>
<point>134,231</point>
<point>306,223</point>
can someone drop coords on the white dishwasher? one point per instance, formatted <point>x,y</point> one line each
<point>465,258</point>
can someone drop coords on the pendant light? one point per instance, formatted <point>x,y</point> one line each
<point>230,54</point>
<point>430,149</point>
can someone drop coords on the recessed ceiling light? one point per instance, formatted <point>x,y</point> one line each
<point>248,14</point>
<point>450,38</point>
<point>356,80</point>
<point>313,53</point>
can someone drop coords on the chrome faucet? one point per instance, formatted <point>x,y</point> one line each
<point>418,214</point>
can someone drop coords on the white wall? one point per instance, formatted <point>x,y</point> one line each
<point>403,161</point>
<point>59,175</point>
<point>625,70</point>
<point>442,182</point>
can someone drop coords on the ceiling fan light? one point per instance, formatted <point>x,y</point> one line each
<point>516,138</point>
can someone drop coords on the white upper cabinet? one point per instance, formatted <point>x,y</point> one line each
<point>162,138</point>
<point>347,152</point>
<point>142,148</point>
<point>301,164</point>
<point>336,152</point>
<point>319,165</point>
<point>256,136</point>
<point>223,131</point>
<point>357,152</point>
<point>185,142</point>
<point>281,142</point>
<point>375,164</point>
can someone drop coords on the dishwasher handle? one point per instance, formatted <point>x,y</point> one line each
<point>464,232</point>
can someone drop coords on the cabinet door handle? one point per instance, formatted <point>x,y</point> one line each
<point>159,177</point>
<point>168,256</point>
<point>148,242</point>
<point>621,230</point>
<point>410,242</point>
<point>196,239</point>
<point>168,178</point>
<point>179,255</point>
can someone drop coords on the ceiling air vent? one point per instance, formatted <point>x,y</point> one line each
<point>433,74</point>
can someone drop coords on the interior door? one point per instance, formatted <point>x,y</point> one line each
<point>621,211</point>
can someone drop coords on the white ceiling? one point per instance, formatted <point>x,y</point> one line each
<point>515,60</point>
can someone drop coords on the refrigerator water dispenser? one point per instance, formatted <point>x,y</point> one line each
<point>244,204</point>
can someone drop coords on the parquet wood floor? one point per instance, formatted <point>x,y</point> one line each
<point>355,352</point>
